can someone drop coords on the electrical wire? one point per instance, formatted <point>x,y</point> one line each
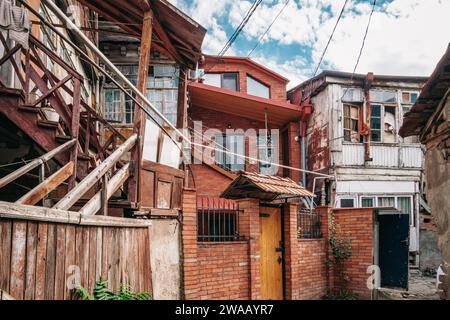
<point>268,28</point>
<point>240,27</point>
<point>330,38</point>
<point>362,46</point>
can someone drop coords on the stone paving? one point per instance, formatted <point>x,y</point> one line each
<point>421,287</point>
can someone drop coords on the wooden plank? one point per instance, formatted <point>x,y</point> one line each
<point>69,262</point>
<point>147,262</point>
<point>88,182</point>
<point>60,271</point>
<point>134,186</point>
<point>18,259</point>
<point>85,257</point>
<point>26,212</point>
<point>163,169</point>
<point>105,253</point>
<point>75,129</point>
<point>33,164</point>
<point>96,202</point>
<point>5,253</point>
<point>92,257</point>
<point>30,278</point>
<point>50,263</point>
<point>98,254</point>
<point>41,254</point>
<point>116,258</point>
<point>79,252</point>
<point>47,186</point>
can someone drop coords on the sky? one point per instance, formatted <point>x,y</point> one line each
<point>406,37</point>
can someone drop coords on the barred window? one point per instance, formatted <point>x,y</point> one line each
<point>217,220</point>
<point>308,224</point>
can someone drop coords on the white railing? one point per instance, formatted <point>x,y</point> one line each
<point>383,155</point>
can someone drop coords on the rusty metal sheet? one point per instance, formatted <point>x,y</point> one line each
<point>254,185</point>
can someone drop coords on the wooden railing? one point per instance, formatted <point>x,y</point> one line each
<point>44,91</point>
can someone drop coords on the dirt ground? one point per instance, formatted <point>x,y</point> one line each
<point>421,287</point>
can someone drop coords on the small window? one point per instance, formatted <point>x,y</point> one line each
<point>383,96</point>
<point>233,144</point>
<point>347,203</point>
<point>222,80</point>
<point>129,109</point>
<point>217,220</point>
<point>112,105</point>
<point>268,153</point>
<point>390,126</point>
<point>386,202</point>
<point>409,97</point>
<point>375,123</point>
<point>367,202</point>
<point>256,88</point>
<point>351,123</point>
<point>352,95</point>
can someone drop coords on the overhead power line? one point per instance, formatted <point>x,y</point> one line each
<point>240,27</point>
<point>362,46</point>
<point>331,37</point>
<point>268,28</point>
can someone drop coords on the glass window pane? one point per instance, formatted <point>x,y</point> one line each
<point>256,88</point>
<point>229,81</point>
<point>386,202</point>
<point>347,203</point>
<point>367,202</point>
<point>376,110</point>
<point>213,79</point>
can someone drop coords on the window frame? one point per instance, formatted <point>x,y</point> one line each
<point>269,89</point>
<point>224,156</point>
<point>238,89</point>
<point>358,107</point>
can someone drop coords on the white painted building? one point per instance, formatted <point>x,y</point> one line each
<point>372,167</point>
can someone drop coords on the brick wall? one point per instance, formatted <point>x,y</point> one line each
<point>357,225</point>
<point>223,271</point>
<point>277,86</point>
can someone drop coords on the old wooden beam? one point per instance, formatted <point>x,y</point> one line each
<point>77,192</point>
<point>95,203</point>
<point>47,186</point>
<point>139,116</point>
<point>33,164</point>
<point>75,129</point>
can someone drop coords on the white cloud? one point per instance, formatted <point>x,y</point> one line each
<point>406,37</point>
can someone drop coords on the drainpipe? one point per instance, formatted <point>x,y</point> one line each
<point>366,131</point>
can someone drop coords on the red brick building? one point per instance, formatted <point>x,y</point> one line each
<point>259,244</point>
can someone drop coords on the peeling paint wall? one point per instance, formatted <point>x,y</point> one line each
<point>165,259</point>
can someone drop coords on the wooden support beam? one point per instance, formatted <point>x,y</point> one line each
<point>139,116</point>
<point>95,203</point>
<point>77,192</point>
<point>33,164</point>
<point>75,129</point>
<point>47,186</point>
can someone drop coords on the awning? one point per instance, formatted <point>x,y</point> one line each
<point>241,104</point>
<point>173,28</point>
<point>264,187</point>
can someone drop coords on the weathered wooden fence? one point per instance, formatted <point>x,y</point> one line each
<point>42,250</point>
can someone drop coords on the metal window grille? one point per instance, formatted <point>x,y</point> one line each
<point>217,220</point>
<point>308,224</point>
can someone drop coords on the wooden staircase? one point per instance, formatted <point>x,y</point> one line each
<point>52,113</point>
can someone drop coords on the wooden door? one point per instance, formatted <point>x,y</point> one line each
<point>271,263</point>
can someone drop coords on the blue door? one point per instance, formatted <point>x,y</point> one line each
<point>393,250</point>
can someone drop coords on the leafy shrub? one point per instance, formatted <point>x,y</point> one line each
<point>102,292</point>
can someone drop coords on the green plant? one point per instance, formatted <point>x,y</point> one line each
<point>341,248</point>
<point>102,292</point>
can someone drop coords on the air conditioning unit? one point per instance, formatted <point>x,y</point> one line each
<point>196,74</point>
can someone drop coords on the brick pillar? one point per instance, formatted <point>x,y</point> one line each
<point>189,235</point>
<point>291,256</point>
<point>325,213</point>
<point>294,151</point>
<point>249,227</point>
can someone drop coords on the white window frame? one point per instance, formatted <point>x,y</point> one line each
<point>396,196</point>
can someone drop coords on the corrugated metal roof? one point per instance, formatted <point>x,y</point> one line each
<point>260,186</point>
